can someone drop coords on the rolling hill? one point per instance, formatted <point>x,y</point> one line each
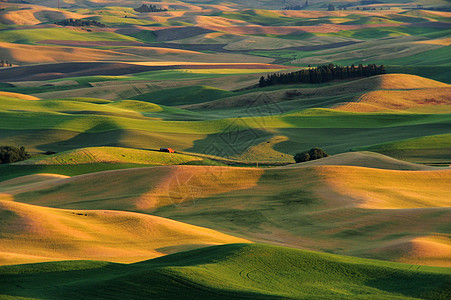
<point>353,206</point>
<point>111,155</point>
<point>246,126</point>
<point>54,234</point>
<point>98,212</point>
<point>233,271</point>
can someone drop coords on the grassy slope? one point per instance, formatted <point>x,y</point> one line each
<point>436,100</point>
<point>440,73</point>
<point>110,155</point>
<point>232,136</point>
<point>229,271</point>
<point>55,234</point>
<point>364,159</point>
<point>427,149</point>
<point>183,96</point>
<point>308,207</point>
<point>428,142</point>
<point>30,36</point>
<point>10,171</point>
<point>315,201</point>
<point>257,136</point>
<point>95,159</point>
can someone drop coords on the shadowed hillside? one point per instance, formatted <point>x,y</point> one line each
<point>234,271</point>
<point>356,210</point>
<point>257,125</point>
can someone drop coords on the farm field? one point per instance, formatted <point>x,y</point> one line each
<point>162,147</point>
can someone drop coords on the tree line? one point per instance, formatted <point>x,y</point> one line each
<point>151,8</point>
<point>79,23</point>
<point>312,154</point>
<point>296,7</point>
<point>322,74</point>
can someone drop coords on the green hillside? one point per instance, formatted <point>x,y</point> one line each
<point>428,149</point>
<point>30,36</point>
<point>110,155</point>
<point>267,125</point>
<point>184,95</point>
<point>234,271</point>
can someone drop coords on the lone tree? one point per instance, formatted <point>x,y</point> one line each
<point>10,154</point>
<point>312,154</point>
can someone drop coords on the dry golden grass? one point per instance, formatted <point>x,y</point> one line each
<point>405,82</point>
<point>172,13</point>
<point>358,107</point>
<point>430,250</point>
<point>387,81</point>
<point>440,13</point>
<point>286,30</point>
<point>32,54</point>
<point>206,21</point>
<point>35,14</point>
<point>341,14</point>
<point>24,183</point>
<point>400,100</point>
<point>18,96</point>
<point>35,234</point>
<point>342,209</point>
<point>265,151</point>
<point>19,17</point>
<point>363,159</point>
<point>433,250</point>
<point>162,51</point>
<point>442,42</point>
<point>166,56</point>
<point>152,187</point>
<point>387,189</point>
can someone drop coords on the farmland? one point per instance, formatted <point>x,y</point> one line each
<point>98,211</point>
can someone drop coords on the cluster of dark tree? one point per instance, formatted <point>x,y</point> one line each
<point>296,7</point>
<point>368,8</point>
<point>79,23</point>
<point>322,74</point>
<point>5,63</point>
<point>312,154</point>
<point>151,8</point>
<point>10,154</point>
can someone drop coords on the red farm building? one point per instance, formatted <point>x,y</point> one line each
<point>169,150</point>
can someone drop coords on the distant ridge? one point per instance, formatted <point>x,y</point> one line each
<point>364,159</point>
<point>74,69</point>
<point>288,93</point>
